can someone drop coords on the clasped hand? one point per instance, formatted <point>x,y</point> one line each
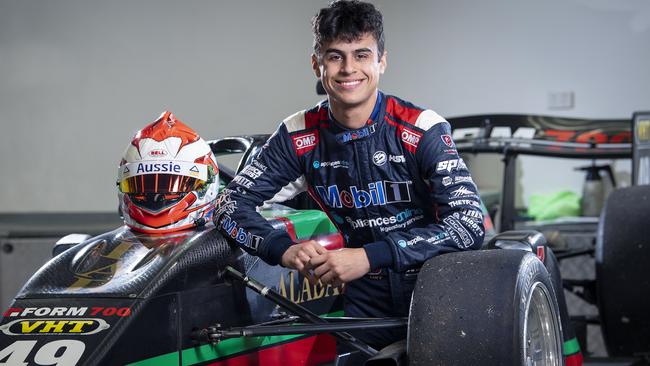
<point>330,267</point>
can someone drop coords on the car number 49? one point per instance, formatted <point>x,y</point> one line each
<point>64,352</point>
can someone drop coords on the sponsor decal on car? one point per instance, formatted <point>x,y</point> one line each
<point>378,193</point>
<point>297,288</point>
<point>59,352</point>
<point>60,311</point>
<point>52,326</point>
<point>46,311</point>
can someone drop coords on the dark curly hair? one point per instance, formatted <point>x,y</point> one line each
<point>347,21</point>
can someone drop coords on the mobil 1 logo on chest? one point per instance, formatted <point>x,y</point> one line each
<point>373,194</point>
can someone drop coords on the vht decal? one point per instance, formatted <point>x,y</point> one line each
<point>54,326</point>
<point>58,353</point>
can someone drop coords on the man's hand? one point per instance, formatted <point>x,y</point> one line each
<point>340,266</point>
<point>298,257</point>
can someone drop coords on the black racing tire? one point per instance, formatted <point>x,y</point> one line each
<point>622,275</point>
<point>488,307</point>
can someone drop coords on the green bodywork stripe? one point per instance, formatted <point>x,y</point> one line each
<point>222,349</point>
<point>307,223</point>
<point>571,346</point>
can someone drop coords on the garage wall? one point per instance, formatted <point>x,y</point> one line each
<point>78,78</point>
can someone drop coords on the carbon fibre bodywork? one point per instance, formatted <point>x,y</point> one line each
<point>128,298</point>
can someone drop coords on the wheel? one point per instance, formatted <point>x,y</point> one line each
<point>488,307</point>
<point>622,275</point>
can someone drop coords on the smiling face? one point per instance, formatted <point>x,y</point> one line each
<point>350,72</point>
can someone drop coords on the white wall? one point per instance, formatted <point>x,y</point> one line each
<point>78,78</point>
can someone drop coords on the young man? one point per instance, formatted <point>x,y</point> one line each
<point>387,173</point>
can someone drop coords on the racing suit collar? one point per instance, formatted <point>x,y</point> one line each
<point>345,135</point>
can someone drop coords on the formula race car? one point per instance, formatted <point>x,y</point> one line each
<point>603,259</point>
<point>194,298</point>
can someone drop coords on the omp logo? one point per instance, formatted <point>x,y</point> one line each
<point>410,138</point>
<point>305,141</point>
<point>378,193</point>
<point>50,326</point>
<point>167,167</point>
<point>45,311</point>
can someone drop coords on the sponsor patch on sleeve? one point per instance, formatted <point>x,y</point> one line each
<point>305,142</point>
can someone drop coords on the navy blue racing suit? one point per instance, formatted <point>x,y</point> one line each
<point>395,187</point>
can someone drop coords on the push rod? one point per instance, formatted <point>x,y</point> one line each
<point>296,309</point>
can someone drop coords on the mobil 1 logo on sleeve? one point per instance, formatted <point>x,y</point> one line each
<point>60,352</point>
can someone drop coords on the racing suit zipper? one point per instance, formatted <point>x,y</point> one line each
<point>360,181</point>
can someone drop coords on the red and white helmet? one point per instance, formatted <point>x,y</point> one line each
<point>168,179</point>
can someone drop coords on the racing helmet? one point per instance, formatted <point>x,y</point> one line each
<point>168,178</point>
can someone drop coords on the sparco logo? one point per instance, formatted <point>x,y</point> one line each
<point>449,165</point>
<point>378,193</point>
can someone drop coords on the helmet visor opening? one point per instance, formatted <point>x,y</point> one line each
<point>161,183</point>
